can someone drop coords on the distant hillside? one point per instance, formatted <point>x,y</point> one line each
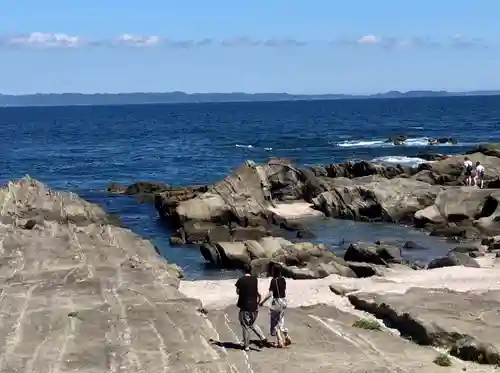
<point>68,99</point>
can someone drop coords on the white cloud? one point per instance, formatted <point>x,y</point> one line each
<point>369,39</point>
<point>139,40</point>
<point>42,39</point>
<point>62,40</point>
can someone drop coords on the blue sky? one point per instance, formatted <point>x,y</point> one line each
<point>296,46</point>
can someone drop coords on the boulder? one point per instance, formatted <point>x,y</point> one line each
<point>373,253</point>
<point>394,200</point>
<point>356,169</point>
<point>302,260</point>
<point>462,209</point>
<point>452,259</point>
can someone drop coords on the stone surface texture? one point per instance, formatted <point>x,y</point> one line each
<point>79,294</point>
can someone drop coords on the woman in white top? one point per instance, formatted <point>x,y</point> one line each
<point>479,178</point>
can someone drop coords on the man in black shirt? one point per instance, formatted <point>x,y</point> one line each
<point>248,303</point>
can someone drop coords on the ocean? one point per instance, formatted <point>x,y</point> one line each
<point>84,148</point>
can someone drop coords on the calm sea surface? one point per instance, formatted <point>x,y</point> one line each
<point>83,148</point>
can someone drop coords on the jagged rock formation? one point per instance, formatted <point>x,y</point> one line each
<point>394,200</point>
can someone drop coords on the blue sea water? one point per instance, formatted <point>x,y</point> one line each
<point>83,148</point>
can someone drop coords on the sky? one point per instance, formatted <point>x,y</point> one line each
<point>294,46</point>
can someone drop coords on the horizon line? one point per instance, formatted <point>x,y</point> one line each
<point>394,91</point>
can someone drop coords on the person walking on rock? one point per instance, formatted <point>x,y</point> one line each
<point>479,177</point>
<point>468,171</point>
<point>248,303</point>
<point>277,290</point>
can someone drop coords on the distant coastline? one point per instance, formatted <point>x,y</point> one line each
<point>73,99</point>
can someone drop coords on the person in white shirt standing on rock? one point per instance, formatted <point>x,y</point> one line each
<point>479,177</point>
<point>468,171</point>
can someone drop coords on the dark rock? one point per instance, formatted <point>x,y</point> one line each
<point>396,139</point>
<point>145,187</point>
<point>30,224</point>
<point>453,259</point>
<point>364,269</point>
<point>372,253</point>
<point>410,245</point>
<point>357,169</point>
<point>431,156</point>
<point>116,188</point>
<point>476,254</point>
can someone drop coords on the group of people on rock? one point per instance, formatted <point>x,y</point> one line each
<point>250,300</point>
<point>478,178</point>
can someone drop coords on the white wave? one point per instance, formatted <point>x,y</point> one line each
<point>417,141</point>
<point>244,146</point>
<point>361,143</point>
<point>404,161</point>
<point>268,149</point>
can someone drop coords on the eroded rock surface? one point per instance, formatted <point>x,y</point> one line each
<point>79,294</point>
<point>393,200</point>
<point>466,324</point>
<point>462,211</point>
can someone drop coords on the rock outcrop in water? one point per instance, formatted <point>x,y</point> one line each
<point>240,206</point>
<point>260,200</point>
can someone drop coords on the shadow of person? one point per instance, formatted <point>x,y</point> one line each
<point>256,344</point>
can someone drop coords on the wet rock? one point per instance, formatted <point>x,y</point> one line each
<point>397,139</point>
<point>373,253</point>
<point>410,245</point>
<point>431,156</point>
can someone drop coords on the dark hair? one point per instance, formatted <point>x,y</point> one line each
<point>276,270</point>
<point>246,268</point>
<point>466,158</point>
<point>478,163</point>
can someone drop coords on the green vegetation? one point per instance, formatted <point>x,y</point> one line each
<point>367,324</point>
<point>443,360</point>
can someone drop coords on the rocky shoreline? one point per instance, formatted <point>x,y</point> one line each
<point>80,293</point>
<point>255,214</point>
